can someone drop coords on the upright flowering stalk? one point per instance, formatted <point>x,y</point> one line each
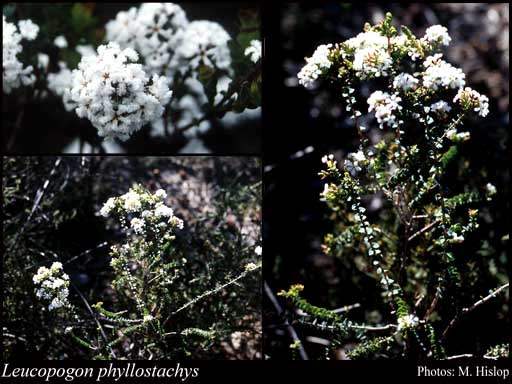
<point>419,101</point>
<point>143,265</point>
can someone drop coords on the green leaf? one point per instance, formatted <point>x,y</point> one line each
<point>82,342</point>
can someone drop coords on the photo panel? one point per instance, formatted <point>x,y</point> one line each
<point>386,182</point>
<point>139,78</point>
<point>131,258</point>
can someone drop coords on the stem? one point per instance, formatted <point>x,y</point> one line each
<point>289,327</point>
<point>473,307</point>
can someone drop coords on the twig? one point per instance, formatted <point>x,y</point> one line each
<point>217,108</point>
<point>209,293</point>
<point>289,327</point>
<point>423,230</point>
<point>473,307</point>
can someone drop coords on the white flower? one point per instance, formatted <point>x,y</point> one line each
<point>491,189</point>
<point>327,158</point>
<point>440,107</point>
<point>258,250</point>
<point>251,267</point>
<point>160,194</point>
<point>115,94</point>
<point>123,30</point>
<point>60,83</point>
<point>471,98</point>
<point>439,73</point>
<point>28,29</point>
<point>14,75</point>
<point>359,156</point>
<point>107,207</point>
<point>162,210</point>
<point>407,322</point>
<point>370,39</point>
<point>61,42</point>
<point>385,106</point>
<point>52,285</point>
<point>316,64</point>
<point>85,50</point>
<point>405,81</point>
<point>254,51</point>
<point>137,225</point>
<point>159,28</point>
<point>132,201</point>
<point>203,43</point>
<point>437,34</point>
<point>372,62</point>
<point>43,60</point>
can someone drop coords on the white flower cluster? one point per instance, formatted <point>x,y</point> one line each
<point>371,54</point>
<point>254,51</point>
<point>405,82</point>
<point>151,211</point>
<point>52,285</point>
<point>440,107</point>
<point>439,73</point>
<point>204,43</point>
<point>385,106</point>
<point>471,99</point>
<point>14,74</point>
<point>316,64</point>
<point>153,30</point>
<point>59,83</point>
<point>436,34</point>
<point>354,162</point>
<point>407,322</point>
<point>167,41</point>
<point>115,94</point>
<point>372,62</point>
<point>369,39</point>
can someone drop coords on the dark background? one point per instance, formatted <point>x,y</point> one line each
<point>295,221</point>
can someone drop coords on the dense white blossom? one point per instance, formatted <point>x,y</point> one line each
<point>440,107</point>
<point>254,51</point>
<point>159,34</point>
<point>474,100</point>
<point>438,73</point>
<point>14,72</point>
<point>137,225</point>
<point>372,62</point>
<point>316,64</point>
<point>52,285</point>
<point>123,29</point>
<point>147,211</point>
<point>370,39</point>
<point>28,29</point>
<point>116,94</point>
<point>385,106</point>
<point>132,201</point>
<point>436,34</point>
<point>108,207</point>
<point>405,82</point>
<point>203,43</point>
